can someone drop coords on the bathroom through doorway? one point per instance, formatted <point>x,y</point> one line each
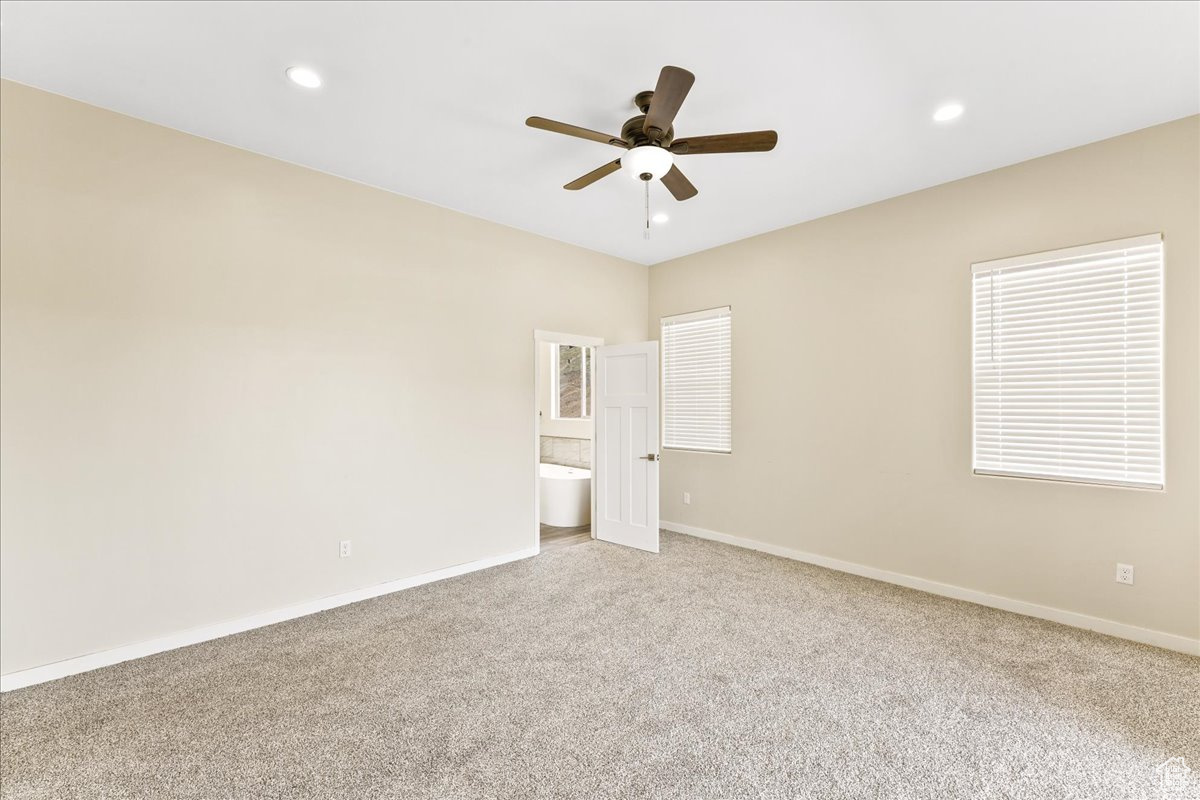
<point>565,433</point>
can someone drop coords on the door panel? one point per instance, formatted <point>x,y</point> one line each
<point>626,452</point>
<point>609,472</point>
<point>641,468</point>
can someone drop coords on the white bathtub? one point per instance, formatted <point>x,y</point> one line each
<point>566,496</point>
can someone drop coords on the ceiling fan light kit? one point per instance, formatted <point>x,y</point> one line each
<point>650,142</point>
<point>647,162</point>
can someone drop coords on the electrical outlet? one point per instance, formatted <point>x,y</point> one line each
<point>1125,573</point>
<point>687,498</point>
<point>345,548</point>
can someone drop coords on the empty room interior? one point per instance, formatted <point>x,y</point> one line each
<point>834,434</point>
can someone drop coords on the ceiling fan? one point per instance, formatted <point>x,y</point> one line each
<point>650,142</point>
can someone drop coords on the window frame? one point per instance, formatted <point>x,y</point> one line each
<point>585,387</point>
<point>1033,260</point>
<point>713,312</point>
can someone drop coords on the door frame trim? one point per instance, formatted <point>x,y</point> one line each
<point>541,337</point>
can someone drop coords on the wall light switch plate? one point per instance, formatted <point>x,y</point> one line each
<point>687,498</point>
<point>345,548</point>
<point>1125,573</point>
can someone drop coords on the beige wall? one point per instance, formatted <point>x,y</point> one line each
<point>852,406</point>
<point>215,366</point>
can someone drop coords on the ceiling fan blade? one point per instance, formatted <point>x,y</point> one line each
<point>673,86</point>
<point>750,142</point>
<point>574,130</point>
<point>678,184</point>
<point>594,175</point>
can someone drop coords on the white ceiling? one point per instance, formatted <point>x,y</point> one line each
<point>429,99</point>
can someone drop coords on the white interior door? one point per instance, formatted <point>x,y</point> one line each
<point>625,408</point>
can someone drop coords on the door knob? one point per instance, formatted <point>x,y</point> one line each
<point>649,457</point>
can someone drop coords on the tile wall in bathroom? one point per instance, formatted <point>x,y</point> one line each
<point>568,452</point>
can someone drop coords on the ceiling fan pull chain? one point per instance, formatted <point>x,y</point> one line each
<point>647,233</point>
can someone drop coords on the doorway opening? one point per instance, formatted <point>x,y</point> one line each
<point>564,435</point>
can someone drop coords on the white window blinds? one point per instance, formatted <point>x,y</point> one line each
<point>697,386</point>
<point>1068,364</point>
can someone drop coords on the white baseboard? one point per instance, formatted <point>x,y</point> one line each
<point>1168,641</point>
<point>105,658</point>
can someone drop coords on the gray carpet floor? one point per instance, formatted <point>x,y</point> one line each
<point>595,671</point>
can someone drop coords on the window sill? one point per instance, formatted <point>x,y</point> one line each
<point>1146,487</point>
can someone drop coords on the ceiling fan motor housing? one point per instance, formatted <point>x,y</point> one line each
<point>632,132</point>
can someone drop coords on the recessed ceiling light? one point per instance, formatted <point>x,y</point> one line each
<point>303,76</point>
<point>948,112</point>
<point>660,218</point>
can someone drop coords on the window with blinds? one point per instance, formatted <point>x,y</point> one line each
<point>697,385</point>
<point>1068,364</point>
